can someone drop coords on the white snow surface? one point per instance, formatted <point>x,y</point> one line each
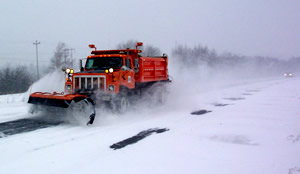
<point>259,134</point>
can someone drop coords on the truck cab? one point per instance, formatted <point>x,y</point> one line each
<point>113,77</point>
<point>109,71</point>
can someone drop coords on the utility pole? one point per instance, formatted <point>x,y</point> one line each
<point>37,58</point>
<point>72,49</point>
<point>66,54</point>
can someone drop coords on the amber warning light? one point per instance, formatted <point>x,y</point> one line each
<point>139,44</point>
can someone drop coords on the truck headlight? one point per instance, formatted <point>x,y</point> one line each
<point>111,87</point>
<point>68,70</point>
<point>111,70</point>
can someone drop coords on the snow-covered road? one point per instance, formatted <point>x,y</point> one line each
<point>253,128</point>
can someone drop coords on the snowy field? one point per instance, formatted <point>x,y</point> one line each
<point>253,128</point>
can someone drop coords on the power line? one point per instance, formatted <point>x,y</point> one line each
<point>69,50</point>
<point>72,49</point>
<point>14,59</point>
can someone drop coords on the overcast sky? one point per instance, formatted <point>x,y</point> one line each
<point>245,27</point>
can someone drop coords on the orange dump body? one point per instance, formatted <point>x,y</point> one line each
<point>152,69</point>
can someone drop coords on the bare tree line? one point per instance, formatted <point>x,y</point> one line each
<point>15,79</point>
<point>147,50</point>
<point>61,57</point>
<point>192,57</point>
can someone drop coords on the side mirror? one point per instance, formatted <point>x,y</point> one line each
<point>63,69</point>
<point>92,46</point>
<point>80,64</point>
<point>136,65</point>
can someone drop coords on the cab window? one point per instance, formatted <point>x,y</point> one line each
<point>128,63</point>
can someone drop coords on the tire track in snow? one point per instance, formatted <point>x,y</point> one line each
<point>23,125</point>
<point>138,137</point>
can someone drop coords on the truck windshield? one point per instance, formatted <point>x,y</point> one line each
<point>102,63</point>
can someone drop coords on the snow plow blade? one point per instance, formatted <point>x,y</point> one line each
<point>54,99</point>
<point>76,102</point>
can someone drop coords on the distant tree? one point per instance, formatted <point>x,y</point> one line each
<point>61,57</point>
<point>130,44</point>
<point>15,79</point>
<point>195,56</point>
<point>147,50</point>
<point>229,62</point>
<point>151,51</point>
<point>292,64</point>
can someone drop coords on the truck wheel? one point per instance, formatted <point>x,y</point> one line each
<point>33,109</point>
<point>84,109</point>
<point>121,104</point>
<point>157,94</point>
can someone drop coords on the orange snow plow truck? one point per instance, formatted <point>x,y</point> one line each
<point>110,78</point>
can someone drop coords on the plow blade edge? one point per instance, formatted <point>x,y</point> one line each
<point>57,100</point>
<point>73,102</point>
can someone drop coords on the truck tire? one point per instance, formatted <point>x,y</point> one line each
<point>157,94</point>
<point>85,109</point>
<point>120,104</point>
<point>123,104</point>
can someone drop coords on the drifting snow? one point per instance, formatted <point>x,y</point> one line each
<point>15,106</point>
<point>259,134</point>
<point>253,127</point>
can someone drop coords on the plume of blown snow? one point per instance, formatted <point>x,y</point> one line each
<point>200,83</point>
<point>52,82</point>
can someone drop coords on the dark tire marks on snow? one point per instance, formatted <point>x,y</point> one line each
<point>253,90</point>
<point>23,125</point>
<point>220,104</point>
<point>137,137</point>
<point>234,139</point>
<point>235,98</point>
<point>294,138</point>
<point>246,94</point>
<point>200,112</point>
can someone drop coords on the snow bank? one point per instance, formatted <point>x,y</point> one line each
<point>54,81</point>
<point>13,98</point>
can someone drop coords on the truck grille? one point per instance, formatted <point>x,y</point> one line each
<point>90,82</point>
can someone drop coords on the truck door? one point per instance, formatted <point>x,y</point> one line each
<point>128,74</point>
